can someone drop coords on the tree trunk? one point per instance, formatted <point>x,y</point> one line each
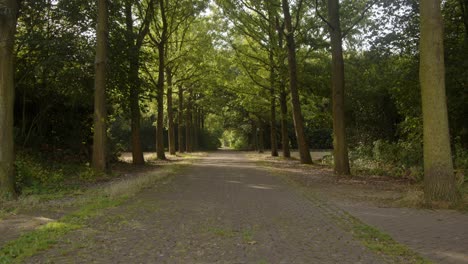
<point>160,89</point>
<point>284,123</point>
<point>170,115</point>
<point>188,125</point>
<point>297,113</point>
<point>8,18</point>
<point>196,129</point>
<point>439,178</point>
<point>340,151</point>
<point>181,120</point>
<point>99,161</point>
<point>134,80</point>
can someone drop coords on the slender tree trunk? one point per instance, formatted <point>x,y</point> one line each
<point>134,80</point>
<point>160,93</point>
<point>296,106</point>
<point>170,114</point>
<point>100,112</point>
<point>188,125</point>
<point>181,120</point>
<point>195,129</point>
<point>8,18</point>
<point>283,94</point>
<point>340,152</point>
<point>439,178</point>
<point>284,124</point>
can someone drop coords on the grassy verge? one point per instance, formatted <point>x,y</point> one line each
<point>91,205</point>
<point>372,238</point>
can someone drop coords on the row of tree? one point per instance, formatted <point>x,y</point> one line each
<point>193,69</point>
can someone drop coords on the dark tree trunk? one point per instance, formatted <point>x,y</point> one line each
<point>181,120</point>
<point>170,114</point>
<point>8,20</point>
<point>134,80</point>
<point>188,124</point>
<point>296,106</point>
<point>196,129</point>
<point>340,152</point>
<point>284,123</point>
<point>99,161</point>
<point>160,90</point>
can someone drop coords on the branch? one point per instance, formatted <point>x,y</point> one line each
<point>368,6</point>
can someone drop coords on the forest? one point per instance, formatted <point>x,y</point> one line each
<point>384,83</point>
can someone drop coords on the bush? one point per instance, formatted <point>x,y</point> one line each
<point>36,174</point>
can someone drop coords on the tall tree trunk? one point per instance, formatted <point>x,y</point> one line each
<point>188,124</point>
<point>284,123</point>
<point>283,94</point>
<point>296,106</point>
<point>196,128</point>
<point>8,18</point>
<point>99,161</point>
<point>181,120</point>
<point>134,80</point>
<point>340,151</point>
<point>160,93</point>
<point>254,136</point>
<point>439,178</point>
<point>170,114</point>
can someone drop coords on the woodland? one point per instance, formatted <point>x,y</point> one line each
<point>384,83</point>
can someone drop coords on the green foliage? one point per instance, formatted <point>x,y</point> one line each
<point>42,175</point>
<point>209,140</point>
<point>401,159</point>
<point>235,139</point>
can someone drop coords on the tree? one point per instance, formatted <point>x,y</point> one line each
<point>297,113</point>
<point>8,18</point>
<point>135,42</point>
<point>439,178</point>
<point>100,112</point>
<point>340,151</point>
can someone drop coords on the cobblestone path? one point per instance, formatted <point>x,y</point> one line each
<point>223,209</point>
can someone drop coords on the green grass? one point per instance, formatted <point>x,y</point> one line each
<point>382,243</point>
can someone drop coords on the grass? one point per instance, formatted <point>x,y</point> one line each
<point>91,204</point>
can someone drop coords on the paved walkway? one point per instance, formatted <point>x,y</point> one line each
<point>441,235</point>
<point>221,210</point>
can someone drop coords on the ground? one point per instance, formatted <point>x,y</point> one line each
<point>232,207</point>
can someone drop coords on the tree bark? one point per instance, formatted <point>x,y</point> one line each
<point>284,123</point>
<point>170,114</point>
<point>8,18</point>
<point>181,121</point>
<point>297,113</point>
<point>99,161</point>
<point>188,124</point>
<point>439,178</point>
<point>160,89</point>
<point>340,152</point>
<point>134,81</point>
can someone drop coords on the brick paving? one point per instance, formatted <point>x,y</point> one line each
<point>224,209</point>
<point>439,235</point>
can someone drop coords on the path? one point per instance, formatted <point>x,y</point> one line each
<point>222,210</point>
